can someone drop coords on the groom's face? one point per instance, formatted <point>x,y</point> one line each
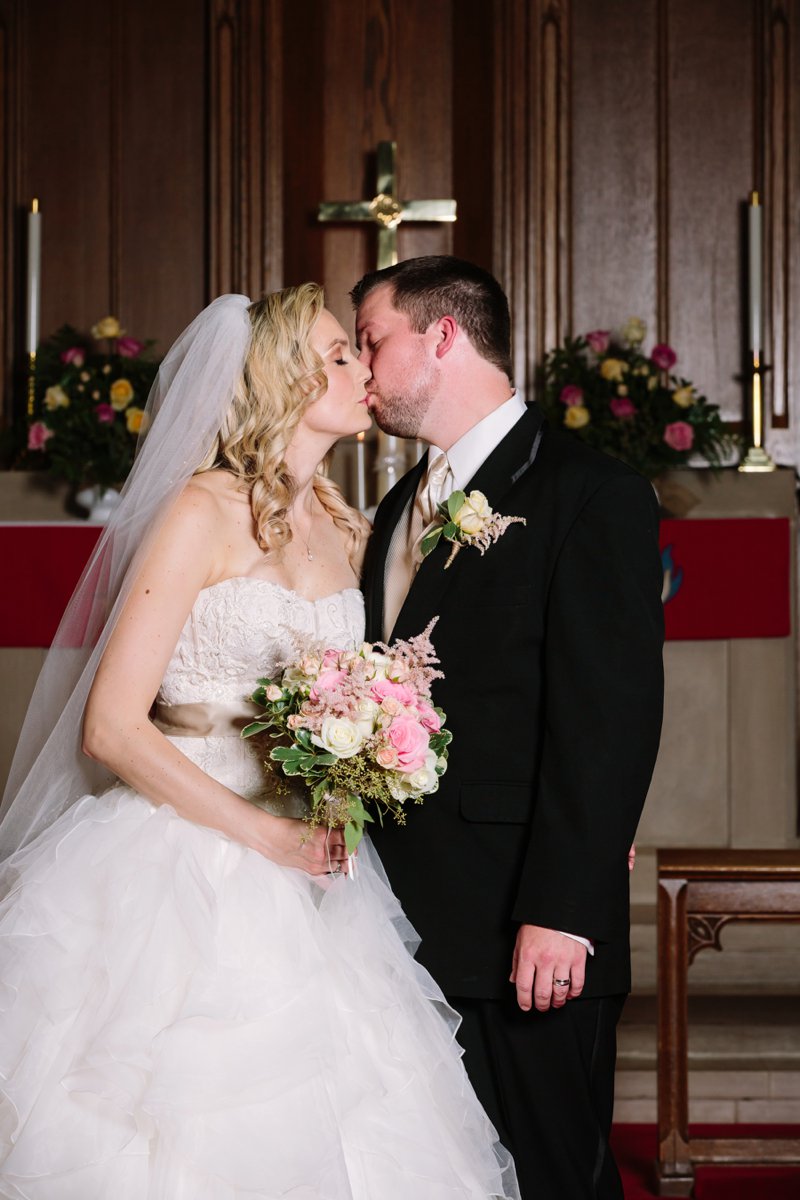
<point>403,367</point>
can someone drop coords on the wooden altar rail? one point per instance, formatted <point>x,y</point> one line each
<point>699,892</point>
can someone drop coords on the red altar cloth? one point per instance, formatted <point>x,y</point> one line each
<point>41,565</point>
<point>728,578</point>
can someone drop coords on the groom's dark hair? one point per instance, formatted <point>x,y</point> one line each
<point>438,285</point>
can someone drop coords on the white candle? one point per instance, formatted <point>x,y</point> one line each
<point>754,259</point>
<point>361,473</point>
<point>34,277</point>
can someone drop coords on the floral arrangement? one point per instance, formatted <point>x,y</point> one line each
<point>358,726</point>
<point>466,520</point>
<point>605,389</point>
<point>90,393</point>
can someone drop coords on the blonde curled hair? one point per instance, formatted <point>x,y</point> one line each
<point>283,375</point>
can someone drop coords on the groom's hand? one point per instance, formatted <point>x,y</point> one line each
<point>542,956</point>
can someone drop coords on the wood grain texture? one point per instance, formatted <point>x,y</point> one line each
<point>9,218</point>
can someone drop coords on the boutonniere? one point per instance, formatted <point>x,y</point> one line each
<point>466,520</point>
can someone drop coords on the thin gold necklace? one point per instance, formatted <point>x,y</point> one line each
<point>307,541</point>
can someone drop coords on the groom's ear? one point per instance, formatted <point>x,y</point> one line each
<point>445,333</point>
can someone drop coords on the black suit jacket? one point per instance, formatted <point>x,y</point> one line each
<point>551,647</point>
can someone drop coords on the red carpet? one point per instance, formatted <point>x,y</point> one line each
<point>635,1150</point>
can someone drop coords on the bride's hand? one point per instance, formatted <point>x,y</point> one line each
<point>287,841</point>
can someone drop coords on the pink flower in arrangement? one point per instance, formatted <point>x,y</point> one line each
<point>429,717</point>
<point>38,435</point>
<point>331,658</point>
<point>622,407</point>
<point>571,394</point>
<point>410,741</point>
<point>663,356</point>
<point>75,356</point>
<point>104,414</point>
<point>599,340</point>
<point>327,681</point>
<point>128,347</point>
<point>679,435</point>
<point>383,689</point>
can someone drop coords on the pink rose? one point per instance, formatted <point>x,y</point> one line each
<point>571,394</point>
<point>386,757</point>
<point>599,340</point>
<point>663,356</point>
<point>327,681</point>
<point>128,347</point>
<point>679,435</point>
<point>331,658</point>
<point>429,717</point>
<point>38,434</point>
<point>75,355</point>
<point>104,414</point>
<point>622,407</point>
<point>382,689</point>
<point>410,741</point>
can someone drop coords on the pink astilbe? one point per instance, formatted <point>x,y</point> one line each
<point>417,659</point>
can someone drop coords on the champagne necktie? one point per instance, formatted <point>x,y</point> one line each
<point>405,554</point>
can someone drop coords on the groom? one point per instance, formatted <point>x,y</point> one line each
<point>515,873</point>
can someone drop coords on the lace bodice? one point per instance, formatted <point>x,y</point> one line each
<point>238,631</point>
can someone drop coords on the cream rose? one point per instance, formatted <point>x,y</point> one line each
<point>339,736</point>
<point>273,692</point>
<point>366,712</point>
<point>472,515</point>
<point>613,369</point>
<point>683,397</point>
<point>56,397</point>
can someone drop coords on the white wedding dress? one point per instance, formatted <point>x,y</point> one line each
<point>182,1019</point>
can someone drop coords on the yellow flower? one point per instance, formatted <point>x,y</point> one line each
<point>120,393</point>
<point>56,397</point>
<point>622,390</point>
<point>135,419</point>
<point>108,327</point>
<point>652,383</point>
<point>634,330</point>
<point>613,369</point>
<point>683,396</point>
<point>577,415</point>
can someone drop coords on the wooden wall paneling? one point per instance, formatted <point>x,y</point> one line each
<point>10,218</point>
<point>246,146</point>
<point>614,164</point>
<point>532,175</point>
<point>303,103</point>
<point>158,169</point>
<point>515,259</point>
<point>711,172</point>
<point>66,72</point>
<point>777,56</point>
<point>473,131</point>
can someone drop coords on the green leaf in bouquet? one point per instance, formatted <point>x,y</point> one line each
<point>454,503</point>
<point>352,836</point>
<point>256,727</point>
<point>430,541</point>
<point>303,738</point>
<point>450,531</point>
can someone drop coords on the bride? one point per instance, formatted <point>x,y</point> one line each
<point>194,999</point>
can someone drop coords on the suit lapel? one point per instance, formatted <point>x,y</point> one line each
<point>506,464</point>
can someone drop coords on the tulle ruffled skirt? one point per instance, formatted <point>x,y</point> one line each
<point>182,1019</point>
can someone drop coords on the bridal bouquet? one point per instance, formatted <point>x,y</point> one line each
<point>358,727</point>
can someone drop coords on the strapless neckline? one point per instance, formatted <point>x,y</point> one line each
<point>281,588</point>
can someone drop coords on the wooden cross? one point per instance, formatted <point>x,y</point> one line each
<point>385,209</point>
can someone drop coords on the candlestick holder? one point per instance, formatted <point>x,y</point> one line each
<point>757,459</point>
<point>31,384</point>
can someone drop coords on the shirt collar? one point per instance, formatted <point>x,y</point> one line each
<point>474,447</point>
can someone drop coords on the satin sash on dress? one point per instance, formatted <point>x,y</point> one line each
<point>280,796</point>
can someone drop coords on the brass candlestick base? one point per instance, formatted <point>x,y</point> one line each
<point>757,459</point>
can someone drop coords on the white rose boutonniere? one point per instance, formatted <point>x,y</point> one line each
<point>466,520</point>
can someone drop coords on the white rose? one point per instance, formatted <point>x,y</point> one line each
<point>339,736</point>
<point>472,515</point>
<point>425,779</point>
<point>380,663</point>
<point>366,714</point>
<point>295,680</point>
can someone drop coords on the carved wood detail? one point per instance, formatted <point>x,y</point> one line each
<point>703,933</point>
<point>245,141</point>
<point>532,175</point>
<point>777,141</point>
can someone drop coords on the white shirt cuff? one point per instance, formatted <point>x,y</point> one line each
<point>574,937</point>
